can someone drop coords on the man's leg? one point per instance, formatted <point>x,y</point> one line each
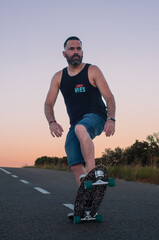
<point>79,145</point>
<point>78,170</point>
<point>74,155</point>
<point>87,146</point>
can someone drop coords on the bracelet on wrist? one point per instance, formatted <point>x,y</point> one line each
<point>52,121</point>
<point>112,119</point>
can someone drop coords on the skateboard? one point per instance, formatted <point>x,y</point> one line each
<point>90,195</point>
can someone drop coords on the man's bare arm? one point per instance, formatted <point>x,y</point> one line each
<point>98,80</point>
<point>55,128</point>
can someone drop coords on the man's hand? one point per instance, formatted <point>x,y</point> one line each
<point>56,129</point>
<point>109,128</point>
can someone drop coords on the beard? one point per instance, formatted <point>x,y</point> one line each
<point>75,60</point>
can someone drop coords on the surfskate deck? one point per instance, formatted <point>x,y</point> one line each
<point>90,195</point>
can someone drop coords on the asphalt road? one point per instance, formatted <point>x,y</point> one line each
<point>31,208</point>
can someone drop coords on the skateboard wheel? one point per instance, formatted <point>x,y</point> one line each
<point>111,182</point>
<point>88,185</point>
<point>76,219</point>
<point>99,218</point>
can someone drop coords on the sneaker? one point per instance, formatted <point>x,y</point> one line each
<point>81,177</point>
<point>70,215</point>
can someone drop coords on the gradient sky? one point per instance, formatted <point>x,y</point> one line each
<point>120,36</point>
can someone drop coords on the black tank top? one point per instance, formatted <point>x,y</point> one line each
<point>81,96</point>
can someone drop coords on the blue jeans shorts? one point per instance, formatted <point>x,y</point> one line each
<point>94,125</point>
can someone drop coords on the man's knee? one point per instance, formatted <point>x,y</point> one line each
<point>77,168</point>
<point>80,130</point>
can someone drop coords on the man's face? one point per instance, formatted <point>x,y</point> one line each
<point>73,52</point>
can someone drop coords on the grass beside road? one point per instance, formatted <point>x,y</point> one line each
<point>139,174</point>
<point>128,173</point>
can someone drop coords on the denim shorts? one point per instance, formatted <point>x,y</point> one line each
<point>94,125</point>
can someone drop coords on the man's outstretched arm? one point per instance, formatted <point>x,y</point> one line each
<point>55,128</point>
<point>100,82</point>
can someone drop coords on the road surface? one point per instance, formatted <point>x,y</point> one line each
<point>31,208</point>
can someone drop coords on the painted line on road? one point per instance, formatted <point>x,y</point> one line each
<point>14,176</point>
<point>41,190</point>
<point>68,205</point>
<point>24,181</point>
<point>5,171</point>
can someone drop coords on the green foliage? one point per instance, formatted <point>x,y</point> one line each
<point>138,153</point>
<point>135,173</point>
<point>148,174</point>
<point>113,157</point>
<point>139,162</point>
<point>124,172</point>
<point>52,162</point>
<point>145,153</point>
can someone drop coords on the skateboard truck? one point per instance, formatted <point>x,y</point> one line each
<point>88,217</point>
<point>99,174</point>
<point>98,218</point>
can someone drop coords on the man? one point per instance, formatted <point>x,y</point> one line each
<point>82,86</point>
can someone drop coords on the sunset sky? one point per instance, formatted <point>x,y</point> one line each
<point>121,37</point>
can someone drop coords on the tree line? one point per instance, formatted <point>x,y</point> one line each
<point>141,153</point>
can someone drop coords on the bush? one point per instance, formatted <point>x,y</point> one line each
<point>52,161</point>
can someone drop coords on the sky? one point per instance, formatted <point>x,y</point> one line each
<point>119,36</point>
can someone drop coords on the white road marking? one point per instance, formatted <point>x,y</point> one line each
<point>41,190</point>
<point>5,171</point>
<point>15,176</point>
<point>24,181</point>
<point>70,206</point>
